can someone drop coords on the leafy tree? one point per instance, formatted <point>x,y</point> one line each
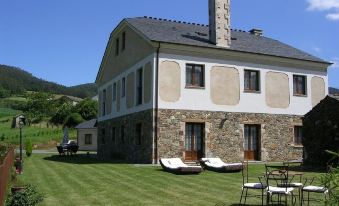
<point>39,106</point>
<point>73,120</point>
<point>62,113</point>
<point>87,108</point>
<point>4,93</point>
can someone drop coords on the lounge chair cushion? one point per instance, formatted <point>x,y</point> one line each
<point>315,189</point>
<point>254,185</point>
<point>218,163</point>
<point>280,190</point>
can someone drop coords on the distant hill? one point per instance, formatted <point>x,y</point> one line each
<point>17,81</point>
<point>333,90</point>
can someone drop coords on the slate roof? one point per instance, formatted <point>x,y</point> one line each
<point>91,124</point>
<point>198,35</point>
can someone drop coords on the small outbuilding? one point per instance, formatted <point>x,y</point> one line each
<point>16,121</point>
<point>321,131</point>
<point>87,135</point>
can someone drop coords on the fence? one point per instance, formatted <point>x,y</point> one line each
<point>5,170</point>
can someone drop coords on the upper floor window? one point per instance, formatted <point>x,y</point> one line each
<point>251,81</point>
<point>104,102</point>
<point>298,135</point>
<point>299,85</point>
<point>195,75</point>
<point>117,43</point>
<point>123,46</point>
<point>114,92</point>
<point>139,86</point>
<point>123,87</point>
<point>138,134</point>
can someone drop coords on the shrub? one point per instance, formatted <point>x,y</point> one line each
<point>29,197</point>
<point>2,138</point>
<point>29,147</point>
<point>331,181</point>
<point>73,120</point>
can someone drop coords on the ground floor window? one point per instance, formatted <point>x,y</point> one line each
<point>138,132</point>
<point>103,136</point>
<point>252,142</point>
<point>298,135</point>
<point>88,139</point>
<point>114,133</point>
<point>194,141</point>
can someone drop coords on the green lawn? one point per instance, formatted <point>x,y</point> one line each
<point>84,181</point>
<point>40,134</point>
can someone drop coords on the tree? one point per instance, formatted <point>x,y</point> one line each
<point>4,93</point>
<point>62,113</point>
<point>39,106</point>
<point>87,108</point>
<point>73,120</point>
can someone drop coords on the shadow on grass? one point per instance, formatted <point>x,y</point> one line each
<point>82,159</point>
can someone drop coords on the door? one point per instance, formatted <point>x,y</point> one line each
<point>194,141</point>
<point>252,142</point>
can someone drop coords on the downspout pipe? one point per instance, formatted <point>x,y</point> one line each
<point>156,107</point>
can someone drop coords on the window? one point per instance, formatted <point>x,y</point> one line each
<point>123,87</point>
<point>138,134</point>
<point>252,81</point>
<point>139,86</point>
<point>195,75</point>
<point>103,134</point>
<point>114,133</point>
<point>298,135</point>
<point>299,85</point>
<point>122,133</point>
<point>114,92</point>
<point>88,139</point>
<point>123,41</point>
<point>117,42</point>
<point>252,142</point>
<point>104,102</point>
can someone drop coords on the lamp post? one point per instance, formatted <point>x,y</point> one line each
<point>22,122</point>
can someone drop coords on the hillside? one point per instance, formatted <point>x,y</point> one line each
<point>333,90</point>
<point>15,81</point>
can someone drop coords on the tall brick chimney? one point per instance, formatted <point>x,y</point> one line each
<point>220,22</point>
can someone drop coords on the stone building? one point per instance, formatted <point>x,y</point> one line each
<point>321,131</point>
<point>176,89</point>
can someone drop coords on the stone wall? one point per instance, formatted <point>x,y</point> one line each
<point>111,148</point>
<point>224,134</point>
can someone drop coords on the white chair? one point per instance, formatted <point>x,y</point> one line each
<point>250,186</point>
<point>311,188</point>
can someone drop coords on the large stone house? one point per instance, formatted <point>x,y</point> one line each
<point>177,89</point>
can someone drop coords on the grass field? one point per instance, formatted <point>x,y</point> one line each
<point>40,134</point>
<point>82,180</point>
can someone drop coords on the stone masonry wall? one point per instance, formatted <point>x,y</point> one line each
<point>224,134</point>
<point>127,150</point>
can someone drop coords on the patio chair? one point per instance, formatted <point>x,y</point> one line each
<point>60,150</point>
<point>311,188</point>
<point>176,166</point>
<point>276,181</point>
<point>250,186</point>
<point>217,165</point>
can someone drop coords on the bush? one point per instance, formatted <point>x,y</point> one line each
<point>331,181</point>
<point>29,197</point>
<point>29,147</point>
<point>73,120</point>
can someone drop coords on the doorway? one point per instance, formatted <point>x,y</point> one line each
<point>194,141</point>
<point>252,142</point>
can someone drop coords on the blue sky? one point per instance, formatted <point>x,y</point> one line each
<point>63,41</point>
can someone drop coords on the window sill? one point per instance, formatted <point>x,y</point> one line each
<point>300,95</point>
<point>194,87</point>
<point>253,92</point>
<point>297,146</point>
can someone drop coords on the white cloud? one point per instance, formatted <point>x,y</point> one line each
<point>331,6</point>
<point>323,4</point>
<point>333,16</point>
